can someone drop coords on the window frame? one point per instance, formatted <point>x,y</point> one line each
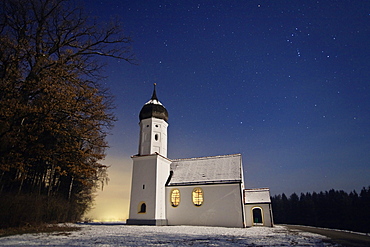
<point>197,197</point>
<point>262,219</point>
<point>173,202</point>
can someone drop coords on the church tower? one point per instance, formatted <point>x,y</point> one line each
<point>153,127</point>
<point>151,167</point>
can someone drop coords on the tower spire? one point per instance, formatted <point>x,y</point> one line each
<point>153,108</point>
<point>154,96</point>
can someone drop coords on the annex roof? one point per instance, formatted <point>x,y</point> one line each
<point>206,170</point>
<point>257,195</point>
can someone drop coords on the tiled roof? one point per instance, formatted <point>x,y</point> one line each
<point>257,195</point>
<point>206,170</point>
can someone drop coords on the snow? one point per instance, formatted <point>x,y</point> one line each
<point>213,169</point>
<point>153,101</point>
<point>257,195</point>
<point>125,235</point>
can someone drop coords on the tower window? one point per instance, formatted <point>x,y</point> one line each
<point>147,126</point>
<point>156,137</point>
<point>197,197</point>
<point>175,197</point>
<point>142,208</point>
<point>156,125</point>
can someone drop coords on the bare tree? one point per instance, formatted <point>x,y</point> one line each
<point>54,114</point>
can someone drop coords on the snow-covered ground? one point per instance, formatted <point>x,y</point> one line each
<point>124,235</point>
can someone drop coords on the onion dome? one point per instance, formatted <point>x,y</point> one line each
<point>153,108</point>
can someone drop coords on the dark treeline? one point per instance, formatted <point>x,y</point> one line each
<point>331,209</point>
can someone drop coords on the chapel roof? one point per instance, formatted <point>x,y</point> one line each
<point>206,170</point>
<point>153,108</point>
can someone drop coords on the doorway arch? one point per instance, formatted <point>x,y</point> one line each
<point>142,208</point>
<point>257,216</point>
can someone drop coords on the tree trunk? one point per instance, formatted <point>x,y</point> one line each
<point>70,189</point>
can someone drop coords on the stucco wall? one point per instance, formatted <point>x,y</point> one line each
<point>266,216</point>
<point>222,206</point>
<point>148,178</point>
<point>162,172</point>
<point>149,128</point>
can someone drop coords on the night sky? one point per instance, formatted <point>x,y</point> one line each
<point>284,83</point>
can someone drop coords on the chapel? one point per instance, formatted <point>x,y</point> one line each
<point>205,191</point>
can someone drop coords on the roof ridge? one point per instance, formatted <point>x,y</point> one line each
<point>257,189</point>
<point>208,157</point>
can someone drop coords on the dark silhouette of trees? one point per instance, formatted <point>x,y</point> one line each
<point>331,209</point>
<point>54,113</point>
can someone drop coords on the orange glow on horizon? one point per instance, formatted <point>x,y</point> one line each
<point>112,204</point>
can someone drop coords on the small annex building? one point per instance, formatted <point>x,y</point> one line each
<point>205,191</point>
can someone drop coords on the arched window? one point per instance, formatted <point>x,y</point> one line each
<point>175,197</point>
<point>197,197</point>
<point>257,216</point>
<point>142,208</point>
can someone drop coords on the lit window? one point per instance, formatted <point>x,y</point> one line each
<point>175,197</point>
<point>198,197</point>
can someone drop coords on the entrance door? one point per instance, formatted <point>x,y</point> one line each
<point>257,216</point>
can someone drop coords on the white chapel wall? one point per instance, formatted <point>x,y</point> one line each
<point>153,136</point>
<point>222,206</point>
<point>148,188</point>
<point>143,187</point>
<point>162,173</point>
<point>266,214</point>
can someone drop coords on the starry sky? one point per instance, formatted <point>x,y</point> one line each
<point>284,83</point>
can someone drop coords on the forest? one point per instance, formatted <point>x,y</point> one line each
<point>330,209</point>
<point>55,114</point>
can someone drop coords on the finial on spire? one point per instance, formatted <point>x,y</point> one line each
<point>154,96</point>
